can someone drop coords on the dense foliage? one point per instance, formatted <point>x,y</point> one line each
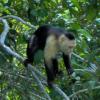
<point>81,16</point>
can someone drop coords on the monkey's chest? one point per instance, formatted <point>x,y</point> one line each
<point>51,50</point>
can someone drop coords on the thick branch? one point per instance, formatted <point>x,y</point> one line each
<point>19,19</point>
<point>5,31</point>
<point>12,53</point>
<point>2,40</point>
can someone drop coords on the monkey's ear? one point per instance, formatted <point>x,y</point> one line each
<point>62,38</point>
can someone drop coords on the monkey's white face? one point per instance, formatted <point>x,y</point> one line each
<point>66,45</point>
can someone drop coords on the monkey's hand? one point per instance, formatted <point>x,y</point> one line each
<point>74,77</point>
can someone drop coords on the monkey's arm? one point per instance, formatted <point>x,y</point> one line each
<point>67,62</point>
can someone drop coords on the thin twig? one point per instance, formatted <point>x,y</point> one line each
<point>82,59</point>
<point>84,90</point>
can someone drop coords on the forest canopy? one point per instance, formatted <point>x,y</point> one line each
<point>18,21</point>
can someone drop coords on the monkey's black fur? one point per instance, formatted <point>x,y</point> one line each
<point>38,41</point>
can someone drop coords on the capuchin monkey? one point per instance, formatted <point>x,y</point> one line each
<point>51,40</point>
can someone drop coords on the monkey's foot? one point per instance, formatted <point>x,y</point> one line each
<point>26,62</point>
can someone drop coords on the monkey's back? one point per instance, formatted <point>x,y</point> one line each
<point>44,31</point>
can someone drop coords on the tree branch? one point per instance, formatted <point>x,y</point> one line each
<point>82,59</point>
<point>84,90</point>
<point>91,68</point>
<point>5,31</point>
<point>2,40</point>
<point>60,92</point>
<point>19,19</point>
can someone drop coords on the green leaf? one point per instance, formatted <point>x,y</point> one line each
<point>91,13</point>
<point>85,33</point>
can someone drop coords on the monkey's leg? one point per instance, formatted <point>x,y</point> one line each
<point>31,50</point>
<point>55,67</point>
<point>49,71</point>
